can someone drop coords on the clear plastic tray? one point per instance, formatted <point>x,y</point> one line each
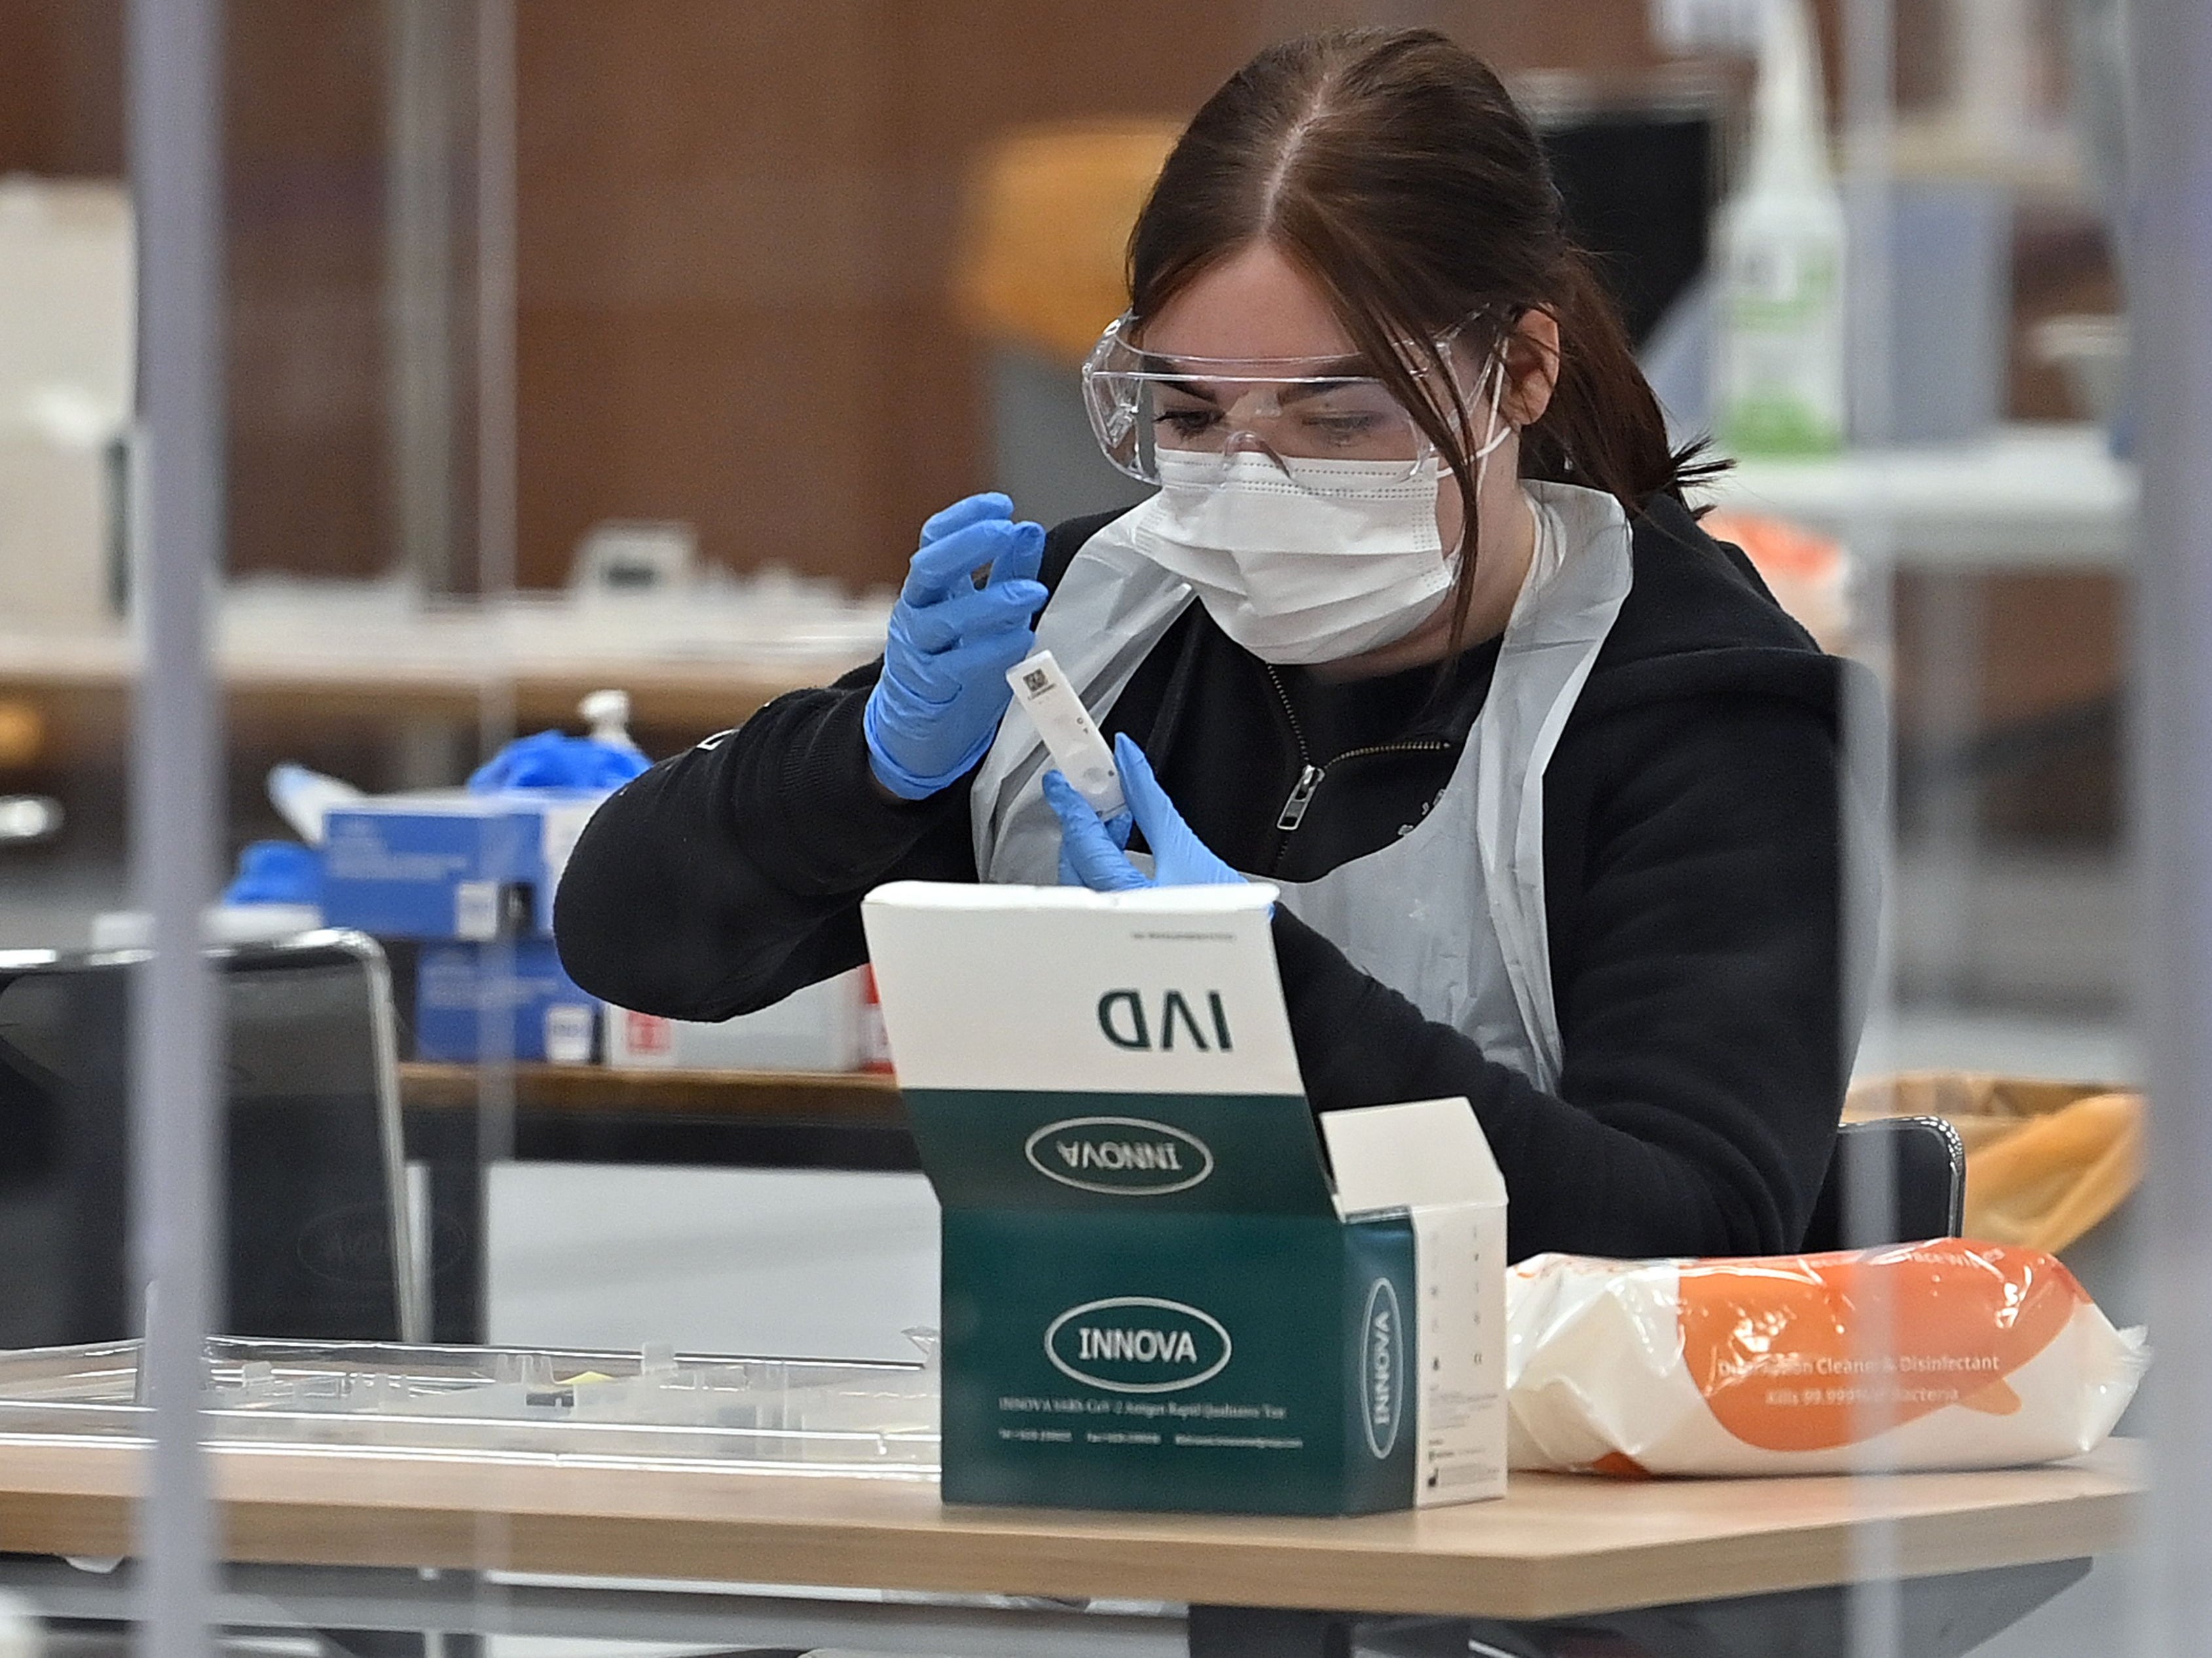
<point>775,1414</point>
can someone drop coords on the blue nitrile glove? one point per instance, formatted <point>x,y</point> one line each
<point>276,872</point>
<point>555,760</point>
<point>937,705</point>
<point>1078,853</point>
<point>1091,851</point>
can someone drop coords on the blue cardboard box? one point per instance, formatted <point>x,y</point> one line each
<point>472,997</point>
<point>449,864</point>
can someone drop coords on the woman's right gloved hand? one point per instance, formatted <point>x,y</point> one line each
<point>937,705</point>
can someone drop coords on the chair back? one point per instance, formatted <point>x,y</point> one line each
<point>316,1243</point>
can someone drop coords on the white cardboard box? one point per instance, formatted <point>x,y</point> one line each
<point>1159,1292</point>
<point>821,1028</point>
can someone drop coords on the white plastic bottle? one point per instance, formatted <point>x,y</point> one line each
<point>1778,371</point>
<point>607,713</point>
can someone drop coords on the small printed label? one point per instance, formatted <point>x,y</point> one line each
<point>560,828</point>
<point>648,1037</point>
<point>1119,1156</point>
<point>1138,1345</point>
<point>568,1035</point>
<point>476,909</point>
<point>875,1039</point>
<point>1459,1406</point>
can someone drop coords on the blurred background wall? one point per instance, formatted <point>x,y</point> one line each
<point>736,229</point>
<point>736,224</point>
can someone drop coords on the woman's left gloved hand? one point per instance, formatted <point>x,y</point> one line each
<point>1091,850</point>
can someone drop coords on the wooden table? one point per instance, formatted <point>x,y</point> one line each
<point>1987,1546</point>
<point>1555,1547</point>
<point>82,682</point>
<point>858,1099</point>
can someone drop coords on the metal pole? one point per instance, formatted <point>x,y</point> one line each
<point>1873,1607</point>
<point>496,505</point>
<point>419,286</point>
<point>2170,277</point>
<point>497,516</point>
<point>176,159</point>
<point>497,498</point>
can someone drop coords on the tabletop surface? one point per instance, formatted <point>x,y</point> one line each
<point>1556,1545</point>
<point>846,1098</point>
<point>706,693</point>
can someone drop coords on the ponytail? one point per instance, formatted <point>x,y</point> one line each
<point>1603,428</point>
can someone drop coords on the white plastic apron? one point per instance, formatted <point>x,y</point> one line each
<point>1451,914</point>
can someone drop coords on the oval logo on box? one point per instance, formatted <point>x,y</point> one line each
<point>1383,1374</point>
<point>1138,1345</point>
<point>1120,1156</point>
<point>351,1245</point>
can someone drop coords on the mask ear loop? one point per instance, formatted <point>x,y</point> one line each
<point>1498,430</point>
<point>1494,434</point>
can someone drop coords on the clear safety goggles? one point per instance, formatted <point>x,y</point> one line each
<point>1294,411</point>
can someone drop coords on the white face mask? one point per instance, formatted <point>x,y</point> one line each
<point>1347,561</point>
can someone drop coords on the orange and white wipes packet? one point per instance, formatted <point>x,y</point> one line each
<point>1948,1354</point>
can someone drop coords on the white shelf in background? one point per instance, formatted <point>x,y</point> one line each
<point>2041,496</point>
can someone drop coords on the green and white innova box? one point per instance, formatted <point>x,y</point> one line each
<point>1159,1292</point>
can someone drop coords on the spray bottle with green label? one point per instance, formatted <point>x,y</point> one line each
<point>1778,379</point>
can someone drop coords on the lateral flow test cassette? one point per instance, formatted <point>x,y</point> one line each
<point>1069,732</point>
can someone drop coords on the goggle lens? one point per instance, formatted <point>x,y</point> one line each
<point>1296,413</point>
<point>1139,416</point>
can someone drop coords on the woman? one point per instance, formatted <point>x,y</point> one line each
<point>1418,627</point>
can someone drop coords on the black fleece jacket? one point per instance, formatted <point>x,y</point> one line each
<point>1691,881</point>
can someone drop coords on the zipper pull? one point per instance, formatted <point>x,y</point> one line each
<point>1302,794</point>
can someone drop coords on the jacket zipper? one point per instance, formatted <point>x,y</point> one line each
<point>1310,774</point>
<point>1301,797</point>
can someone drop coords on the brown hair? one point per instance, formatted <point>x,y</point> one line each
<point>1393,169</point>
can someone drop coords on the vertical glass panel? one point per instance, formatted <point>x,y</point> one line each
<point>549,391</point>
